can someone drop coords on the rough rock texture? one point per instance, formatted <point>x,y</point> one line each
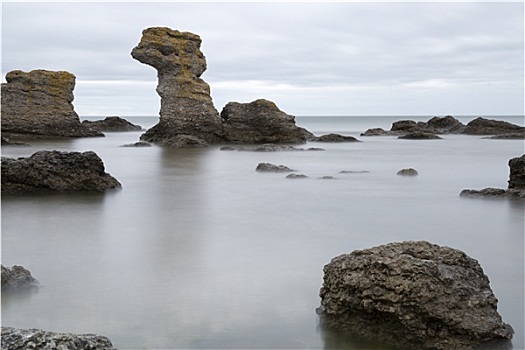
<point>482,126</point>
<point>17,277</point>
<point>268,147</point>
<point>39,104</point>
<point>413,295</point>
<point>419,135</point>
<point>516,187</point>
<point>334,138</point>
<point>407,172</point>
<point>56,171</point>
<point>268,167</point>
<point>260,121</point>
<point>23,339</point>
<point>137,144</point>
<point>112,124</point>
<point>186,104</point>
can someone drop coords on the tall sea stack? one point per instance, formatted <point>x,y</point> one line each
<point>187,113</point>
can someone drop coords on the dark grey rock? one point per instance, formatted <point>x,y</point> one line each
<point>269,147</point>
<point>419,135</point>
<point>375,132</point>
<point>138,144</point>
<point>268,167</point>
<point>23,339</point>
<point>407,172</point>
<point>482,126</point>
<point>511,136</point>
<point>17,277</point>
<point>56,171</point>
<point>335,138</point>
<point>113,124</point>
<point>412,295</point>
<point>517,173</point>
<point>296,176</point>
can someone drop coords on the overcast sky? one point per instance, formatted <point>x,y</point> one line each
<point>344,58</point>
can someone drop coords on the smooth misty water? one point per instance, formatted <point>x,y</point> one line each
<point>198,250</point>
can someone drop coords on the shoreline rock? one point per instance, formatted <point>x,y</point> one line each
<point>413,295</point>
<point>38,104</point>
<point>54,171</point>
<point>269,167</point>
<point>112,124</point>
<point>23,339</point>
<point>17,277</point>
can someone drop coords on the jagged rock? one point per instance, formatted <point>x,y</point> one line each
<point>443,125</point>
<point>517,173</point>
<point>186,104</point>
<point>435,125</point>
<point>482,126</point>
<point>112,124</point>
<point>419,135</point>
<point>23,339</point>
<point>268,167</point>
<point>17,277</point>
<point>335,138</point>
<point>56,171</point>
<point>260,121</point>
<point>138,144</point>
<point>39,104</point>
<point>407,172</point>
<point>412,295</point>
<point>404,126</point>
<point>296,176</point>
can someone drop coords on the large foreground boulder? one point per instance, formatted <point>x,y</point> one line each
<point>412,295</point>
<point>56,171</point>
<point>23,339</point>
<point>17,277</point>
<point>39,104</point>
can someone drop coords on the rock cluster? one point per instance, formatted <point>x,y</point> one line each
<point>516,187</point>
<point>412,295</point>
<point>17,277</point>
<point>188,117</point>
<point>39,104</point>
<point>23,339</point>
<point>56,171</point>
<point>111,124</point>
<point>409,129</point>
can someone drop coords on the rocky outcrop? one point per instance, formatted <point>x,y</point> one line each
<point>482,126</point>
<point>56,171</point>
<point>17,277</point>
<point>268,167</point>
<point>113,124</point>
<point>412,295</point>
<point>408,172</point>
<point>516,187</point>
<point>23,339</point>
<point>333,138</point>
<point>419,135</point>
<point>186,105</point>
<point>39,104</point>
<point>260,121</point>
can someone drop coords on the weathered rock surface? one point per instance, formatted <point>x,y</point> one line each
<point>56,171</point>
<point>413,295</point>
<point>23,339</point>
<point>17,277</point>
<point>408,172</point>
<point>516,187</point>
<point>112,124</point>
<point>260,121</point>
<point>334,138</point>
<point>186,105</point>
<point>39,104</point>
<point>268,167</point>
<point>268,147</point>
<point>419,135</point>
<point>482,126</point>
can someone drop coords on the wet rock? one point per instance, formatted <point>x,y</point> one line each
<point>517,173</point>
<point>17,277</point>
<point>7,142</point>
<point>186,105</point>
<point>268,167</point>
<point>335,138</point>
<point>482,126</point>
<point>56,171</point>
<point>375,132</point>
<point>270,147</point>
<point>138,144</point>
<point>443,125</point>
<point>435,125</point>
<point>260,121</point>
<point>407,172</point>
<point>412,295</point>
<point>419,135</point>
<point>296,176</point>
<point>112,124</point>
<point>23,339</point>
<point>39,104</point>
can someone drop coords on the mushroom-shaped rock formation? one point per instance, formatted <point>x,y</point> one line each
<point>186,105</point>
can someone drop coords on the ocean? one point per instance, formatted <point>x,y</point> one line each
<point>200,251</point>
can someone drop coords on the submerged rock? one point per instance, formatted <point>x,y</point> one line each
<point>296,176</point>
<point>419,135</point>
<point>39,104</point>
<point>413,295</point>
<point>334,138</point>
<point>17,277</point>
<point>407,172</point>
<point>23,339</point>
<point>137,144</point>
<point>112,124</point>
<point>56,171</point>
<point>269,147</point>
<point>268,167</point>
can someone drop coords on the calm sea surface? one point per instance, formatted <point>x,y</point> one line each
<point>198,250</point>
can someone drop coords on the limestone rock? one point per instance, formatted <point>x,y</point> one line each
<point>482,126</point>
<point>56,171</point>
<point>39,104</point>
<point>412,295</point>
<point>268,167</point>
<point>186,104</point>
<point>17,277</point>
<point>112,124</point>
<point>23,339</point>
<point>335,138</point>
<point>260,121</point>
<point>407,172</point>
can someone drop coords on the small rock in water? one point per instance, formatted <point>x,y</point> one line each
<point>407,172</point>
<point>268,167</point>
<point>296,176</point>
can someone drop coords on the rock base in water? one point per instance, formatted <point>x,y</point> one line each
<point>413,295</point>
<point>112,124</point>
<point>17,277</point>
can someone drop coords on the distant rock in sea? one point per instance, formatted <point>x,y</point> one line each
<point>333,138</point>
<point>17,277</point>
<point>57,172</point>
<point>412,295</point>
<point>408,172</point>
<point>38,104</point>
<point>482,126</point>
<point>114,124</point>
<point>419,135</point>
<point>268,167</point>
<point>138,144</point>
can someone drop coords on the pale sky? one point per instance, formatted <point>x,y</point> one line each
<point>310,58</point>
